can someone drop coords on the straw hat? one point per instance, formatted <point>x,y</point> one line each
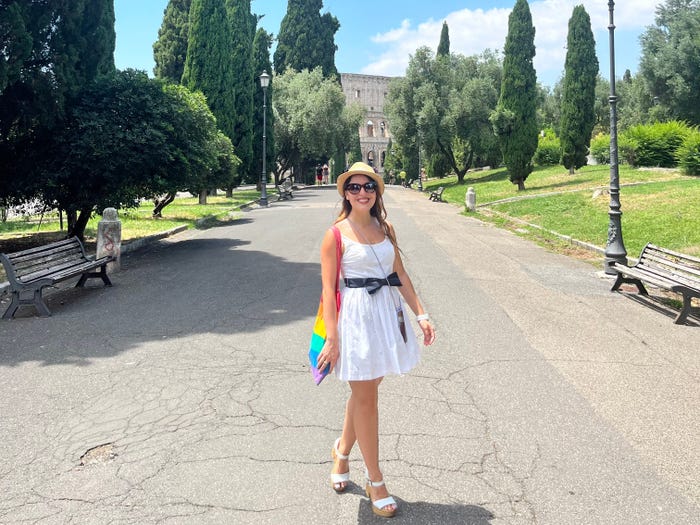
<point>360,168</point>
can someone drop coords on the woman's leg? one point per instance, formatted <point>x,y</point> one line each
<point>365,419</point>
<point>347,441</point>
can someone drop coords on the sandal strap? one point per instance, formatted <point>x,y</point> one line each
<point>375,484</point>
<point>340,478</point>
<point>384,502</point>
<point>337,451</point>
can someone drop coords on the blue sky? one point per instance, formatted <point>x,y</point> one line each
<point>378,37</point>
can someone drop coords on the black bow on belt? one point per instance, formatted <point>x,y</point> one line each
<point>373,283</point>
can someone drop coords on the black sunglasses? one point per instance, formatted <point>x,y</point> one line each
<point>354,187</point>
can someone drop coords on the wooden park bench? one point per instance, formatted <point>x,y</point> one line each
<point>284,190</point>
<point>664,269</point>
<point>408,183</point>
<point>30,271</point>
<point>436,195</point>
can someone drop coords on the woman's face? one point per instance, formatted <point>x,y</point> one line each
<point>363,199</point>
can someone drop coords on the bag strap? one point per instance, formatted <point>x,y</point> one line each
<point>338,256</point>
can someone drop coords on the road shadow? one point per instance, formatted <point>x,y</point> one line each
<point>165,290</point>
<point>424,513</point>
<point>662,306</point>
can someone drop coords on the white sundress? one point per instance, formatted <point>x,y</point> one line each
<point>371,344</point>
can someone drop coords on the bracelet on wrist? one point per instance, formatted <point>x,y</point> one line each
<point>423,317</point>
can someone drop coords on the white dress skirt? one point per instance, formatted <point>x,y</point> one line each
<point>371,344</point>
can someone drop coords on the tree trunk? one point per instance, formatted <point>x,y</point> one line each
<point>78,229</point>
<point>571,170</point>
<point>71,219</point>
<point>520,183</point>
<point>161,203</point>
<point>229,193</point>
<point>203,197</point>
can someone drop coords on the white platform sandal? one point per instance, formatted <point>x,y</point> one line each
<point>337,480</point>
<point>378,506</point>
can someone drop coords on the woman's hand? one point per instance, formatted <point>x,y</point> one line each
<point>428,332</point>
<point>329,355</point>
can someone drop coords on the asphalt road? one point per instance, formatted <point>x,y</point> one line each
<point>182,394</point>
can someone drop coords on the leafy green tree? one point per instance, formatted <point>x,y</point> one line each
<point>261,62</point>
<point>443,49</point>
<point>170,50</point>
<point>312,121</point>
<point>128,137</point>
<point>208,66</point>
<point>51,50</point>
<point>515,118</point>
<point>242,23</point>
<point>670,61</point>
<point>306,39</point>
<point>453,103</point>
<point>578,101</point>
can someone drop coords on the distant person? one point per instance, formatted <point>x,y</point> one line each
<point>319,175</point>
<point>368,338</point>
<point>325,174</point>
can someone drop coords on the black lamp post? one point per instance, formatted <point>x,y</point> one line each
<point>615,248</point>
<point>264,82</point>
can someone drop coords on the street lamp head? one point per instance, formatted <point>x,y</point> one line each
<point>264,80</point>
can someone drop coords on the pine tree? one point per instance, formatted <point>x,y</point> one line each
<point>515,117</point>
<point>306,39</point>
<point>443,49</point>
<point>261,62</point>
<point>578,101</point>
<point>170,50</point>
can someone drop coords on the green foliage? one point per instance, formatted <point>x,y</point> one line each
<point>306,39</point>
<point>170,50</point>
<point>548,149</point>
<point>688,154</point>
<point>578,101</point>
<point>312,121</point>
<point>208,66</point>
<point>600,148</point>
<point>653,144</point>
<point>242,23</point>
<point>670,64</point>
<point>443,49</point>
<point>515,118</point>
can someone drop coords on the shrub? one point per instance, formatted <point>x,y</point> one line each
<point>655,144</point>
<point>548,149</point>
<point>600,148</point>
<point>688,155</point>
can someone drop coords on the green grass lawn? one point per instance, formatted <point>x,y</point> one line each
<point>658,206</point>
<point>136,222</point>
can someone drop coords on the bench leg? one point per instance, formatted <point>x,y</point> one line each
<point>622,279</point>
<point>36,301</point>
<point>685,312</point>
<point>102,274</point>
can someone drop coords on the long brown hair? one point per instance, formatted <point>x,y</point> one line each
<point>377,211</point>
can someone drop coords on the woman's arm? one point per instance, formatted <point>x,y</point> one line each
<point>329,265</point>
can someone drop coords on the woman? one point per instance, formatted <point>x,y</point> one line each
<point>365,342</point>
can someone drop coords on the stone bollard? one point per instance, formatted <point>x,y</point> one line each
<point>470,199</point>
<point>109,238</point>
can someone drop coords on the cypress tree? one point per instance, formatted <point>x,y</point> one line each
<point>261,62</point>
<point>208,67</point>
<point>578,100</point>
<point>242,23</point>
<point>306,39</point>
<point>443,49</point>
<point>170,50</point>
<point>515,118</point>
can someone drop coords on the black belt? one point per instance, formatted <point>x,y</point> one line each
<point>373,283</point>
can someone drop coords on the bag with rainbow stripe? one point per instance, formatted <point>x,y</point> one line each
<point>318,337</point>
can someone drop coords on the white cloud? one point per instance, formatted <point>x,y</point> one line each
<point>474,30</point>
